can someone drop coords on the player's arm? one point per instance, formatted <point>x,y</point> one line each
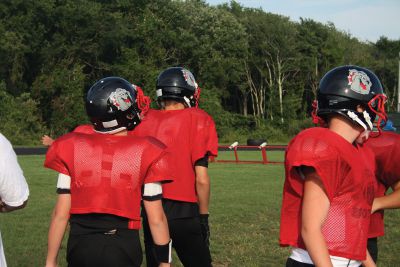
<point>203,195</point>
<point>202,184</point>
<point>47,140</point>
<point>7,208</point>
<point>59,220</point>
<point>368,262</point>
<point>14,191</point>
<point>152,195</point>
<point>314,212</point>
<point>390,201</point>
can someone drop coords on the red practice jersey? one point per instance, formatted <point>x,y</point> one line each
<point>84,128</point>
<point>189,135</point>
<point>386,148</point>
<point>347,174</point>
<point>107,171</point>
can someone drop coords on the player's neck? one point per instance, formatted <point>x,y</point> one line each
<point>344,128</point>
<point>122,133</point>
<point>174,106</point>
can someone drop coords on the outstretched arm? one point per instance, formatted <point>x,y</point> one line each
<point>47,140</point>
<point>390,201</point>
<point>58,224</point>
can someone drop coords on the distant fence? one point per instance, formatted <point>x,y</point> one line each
<point>239,158</point>
<point>222,148</point>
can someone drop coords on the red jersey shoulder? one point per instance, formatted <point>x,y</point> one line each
<point>385,139</point>
<point>85,128</point>
<point>314,143</point>
<point>386,149</point>
<point>198,112</point>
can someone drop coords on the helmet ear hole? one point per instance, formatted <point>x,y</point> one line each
<point>130,116</point>
<point>360,108</point>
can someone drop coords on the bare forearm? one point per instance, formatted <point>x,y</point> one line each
<point>160,232</point>
<point>369,262</point>
<point>157,221</point>
<point>391,201</point>
<point>55,237</point>
<point>203,194</point>
<point>203,189</point>
<point>316,247</point>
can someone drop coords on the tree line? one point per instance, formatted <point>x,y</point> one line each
<point>258,71</point>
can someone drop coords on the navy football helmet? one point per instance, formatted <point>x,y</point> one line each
<point>111,104</point>
<point>178,84</point>
<point>343,89</point>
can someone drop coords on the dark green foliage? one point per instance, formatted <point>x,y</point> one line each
<point>259,71</point>
<point>20,120</point>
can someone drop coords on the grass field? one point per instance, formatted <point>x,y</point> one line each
<point>244,216</point>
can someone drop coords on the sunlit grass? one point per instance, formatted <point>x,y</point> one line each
<point>244,216</point>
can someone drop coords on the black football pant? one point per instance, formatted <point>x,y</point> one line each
<point>187,239</point>
<point>372,247</point>
<point>104,249</point>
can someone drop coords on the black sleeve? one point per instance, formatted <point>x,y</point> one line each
<point>202,162</point>
<point>152,198</point>
<point>63,191</point>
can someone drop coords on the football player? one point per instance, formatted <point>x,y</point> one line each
<point>190,134</point>
<point>330,182</point>
<point>101,176</point>
<point>387,154</point>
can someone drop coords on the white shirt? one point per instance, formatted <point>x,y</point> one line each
<point>13,187</point>
<point>302,255</point>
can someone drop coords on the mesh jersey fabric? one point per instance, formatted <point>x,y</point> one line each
<point>347,174</point>
<point>386,148</point>
<point>107,171</point>
<point>189,134</point>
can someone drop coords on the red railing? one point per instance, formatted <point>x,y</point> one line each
<point>236,148</point>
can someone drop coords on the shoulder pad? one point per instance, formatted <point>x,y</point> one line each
<point>313,143</point>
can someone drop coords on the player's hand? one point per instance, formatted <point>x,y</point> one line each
<point>47,140</point>
<point>163,264</point>
<point>375,205</point>
<point>205,228</point>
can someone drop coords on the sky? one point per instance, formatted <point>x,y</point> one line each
<point>366,20</point>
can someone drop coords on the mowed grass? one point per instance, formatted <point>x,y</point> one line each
<point>244,216</point>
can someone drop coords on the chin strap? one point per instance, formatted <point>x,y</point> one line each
<point>143,101</point>
<point>197,96</point>
<point>377,105</point>
<point>315,118</point>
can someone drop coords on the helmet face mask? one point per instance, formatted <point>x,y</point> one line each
<point>177,84</point>
<point>344,89</point>
<point>111,104</point>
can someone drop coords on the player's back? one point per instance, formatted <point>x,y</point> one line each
<point>107,171</point>
<point>189,135</point>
